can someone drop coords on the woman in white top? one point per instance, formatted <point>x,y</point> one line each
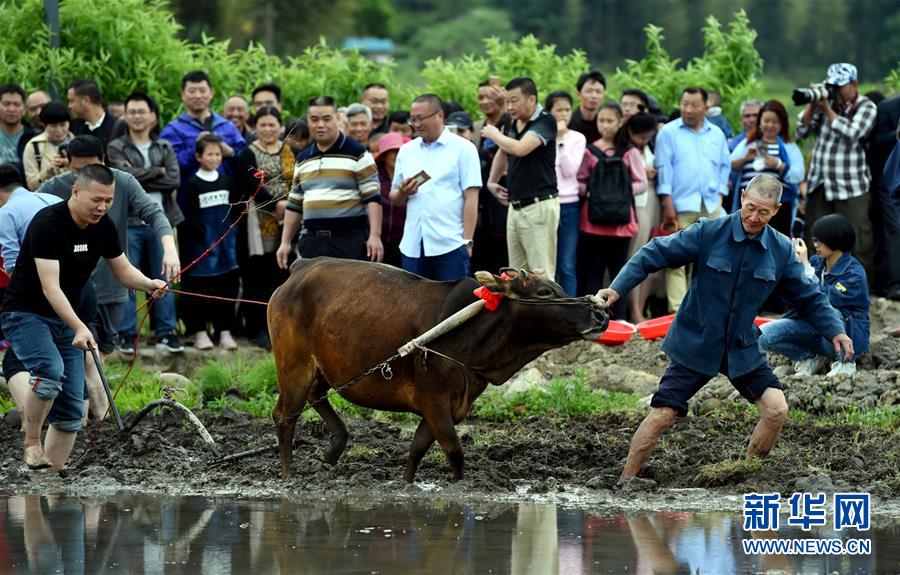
<point>570,147</point>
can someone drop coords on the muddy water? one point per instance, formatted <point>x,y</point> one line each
<point>142,533</point>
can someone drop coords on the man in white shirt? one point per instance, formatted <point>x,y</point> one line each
<point>437,176</point>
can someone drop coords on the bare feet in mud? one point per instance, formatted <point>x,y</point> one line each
<point>635,485</point>
<point>35,458</point>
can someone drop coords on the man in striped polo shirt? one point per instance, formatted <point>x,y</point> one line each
<point>335,196</point>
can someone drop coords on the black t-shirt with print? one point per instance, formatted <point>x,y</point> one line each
<point>53,235</point>
<point>535,174</point>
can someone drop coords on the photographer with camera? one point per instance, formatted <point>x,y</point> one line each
<point>840,118</point>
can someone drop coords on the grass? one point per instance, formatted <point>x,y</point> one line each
<point>881,417</point>
<point>728,471</point>
<point>565,397</point>
<point>142,387</point>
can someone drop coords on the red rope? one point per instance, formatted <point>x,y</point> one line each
<point>206,296</point>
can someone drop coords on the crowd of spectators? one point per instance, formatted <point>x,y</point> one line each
<point>440,194</point>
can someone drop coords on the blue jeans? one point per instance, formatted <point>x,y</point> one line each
<point>794,339</point>
<point>44,346</point>
<point>452,265</point>
<point>144,248</point>
<point>567,247</point>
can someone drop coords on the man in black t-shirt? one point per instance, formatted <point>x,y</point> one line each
<point>61,248</point>
<point>591,93</point>
<point>528,149</point>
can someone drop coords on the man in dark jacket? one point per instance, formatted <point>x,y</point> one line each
<point>739,261</point>
<point>884,213</point>
<point>88,116</point>
<point>152,161</point>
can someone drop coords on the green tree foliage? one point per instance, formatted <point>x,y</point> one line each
<point>462,35</point>
<point>129,45</point>
<point>730,65</point>
<point>374,18</point>
<point>137,45</point>
<point>459,80</point>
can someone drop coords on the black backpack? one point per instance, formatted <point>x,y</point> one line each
<point>609,191</point>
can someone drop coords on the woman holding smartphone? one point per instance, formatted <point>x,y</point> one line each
<point>45,155</point>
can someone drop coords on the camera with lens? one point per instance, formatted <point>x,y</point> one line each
<point>814,94</point>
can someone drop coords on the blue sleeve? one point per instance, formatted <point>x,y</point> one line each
<point>672,251</point>
<point>663,161</point>
<point>804,295</point>
<point>724,166</point>
<point>797,171</point>
<point>184,149</point>
<point>9,239</point>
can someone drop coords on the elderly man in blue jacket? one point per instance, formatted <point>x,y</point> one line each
<point>738,262</point>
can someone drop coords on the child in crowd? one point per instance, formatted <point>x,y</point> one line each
<point>842,278</point>
<point>603,248</point>
<point>206,200</point>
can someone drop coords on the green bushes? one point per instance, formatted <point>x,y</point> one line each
<point>459,80</point>
<point>134,44</point>
<point>730,65</point>
<point>129,45</point>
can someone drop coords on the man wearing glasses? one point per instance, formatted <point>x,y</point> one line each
<point>153,163</point>
<point>437,176</point>
<point>375,96</point>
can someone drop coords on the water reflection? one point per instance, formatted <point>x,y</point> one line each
<point>138,533</point>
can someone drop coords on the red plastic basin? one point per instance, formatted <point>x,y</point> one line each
<point>656,327</point>
<point>617,333</point>
<point>761,320</point>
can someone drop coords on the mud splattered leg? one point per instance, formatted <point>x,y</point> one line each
<point>644,441</point>
<point>422,440</point>
<point>441,424</point>
<point>339,432</point>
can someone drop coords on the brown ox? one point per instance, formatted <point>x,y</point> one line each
<point>333,319</point>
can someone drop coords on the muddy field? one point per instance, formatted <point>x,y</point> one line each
<point>531,456</point>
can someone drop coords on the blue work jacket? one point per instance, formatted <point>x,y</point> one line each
<point>732,276</point>
<point>848,291</point>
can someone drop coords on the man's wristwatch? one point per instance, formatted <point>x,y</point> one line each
<point>469,243</point>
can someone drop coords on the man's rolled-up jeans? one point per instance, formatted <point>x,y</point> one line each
<point>44,346</point>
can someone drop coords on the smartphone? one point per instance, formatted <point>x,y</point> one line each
<point>421,177</point>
